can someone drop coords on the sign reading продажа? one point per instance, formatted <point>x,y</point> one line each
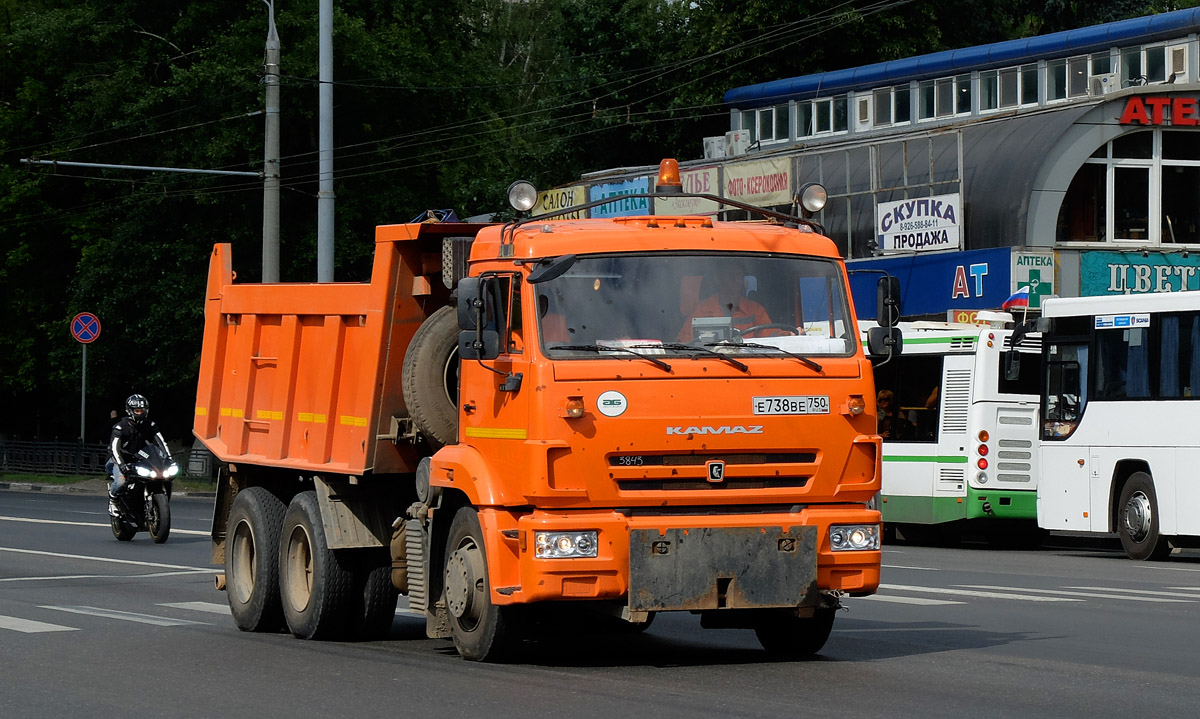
<point>922,224</point>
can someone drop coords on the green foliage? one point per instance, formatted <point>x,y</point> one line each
<point>438,104</point>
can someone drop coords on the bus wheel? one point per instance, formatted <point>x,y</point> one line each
<point>1137,520</point>
<point>788,636</point>
<point>482,631</point>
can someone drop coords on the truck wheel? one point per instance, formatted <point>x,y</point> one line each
<point>1137,520</point>
<point>251,560</point>
<point>430,378</point>
<point>373,584</point>
<point>792,637</point>
<point>482,631</point>
<point>314,580</point>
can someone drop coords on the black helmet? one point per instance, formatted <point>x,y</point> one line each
<point>138,408</point>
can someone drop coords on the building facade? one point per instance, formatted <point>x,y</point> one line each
<point>1069,162</point>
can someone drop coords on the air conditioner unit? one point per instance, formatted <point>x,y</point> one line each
<point>1103,83</point>
<point>714,148</point>
<point>736,142</point>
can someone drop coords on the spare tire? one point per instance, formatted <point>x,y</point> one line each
<point>430,378</point>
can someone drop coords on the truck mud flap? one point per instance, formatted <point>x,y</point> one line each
<point>722,568</point>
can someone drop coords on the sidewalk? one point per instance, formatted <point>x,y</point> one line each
<point>96,486</point>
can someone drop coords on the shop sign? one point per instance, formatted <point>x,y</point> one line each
<point>621,207</point>
<point>765,183</point>
<point>1161,110</point>
<point>1036,271</point>
<point>559,199</point>
<point>702,181</point>
<point>932,283</point>
<point>922,225</point>
<point>1124,273</point>
<point>963,317</point>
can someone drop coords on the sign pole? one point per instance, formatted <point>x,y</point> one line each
<point>83,400</point>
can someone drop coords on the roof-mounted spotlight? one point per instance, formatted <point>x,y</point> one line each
<point>811,198</point>
<point>522,195</point>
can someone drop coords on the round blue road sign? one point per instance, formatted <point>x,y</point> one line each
<point>85,327</point>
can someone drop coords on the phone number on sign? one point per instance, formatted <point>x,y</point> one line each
<point>791,405</point>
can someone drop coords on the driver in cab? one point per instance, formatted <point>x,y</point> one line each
<point>729,301</point>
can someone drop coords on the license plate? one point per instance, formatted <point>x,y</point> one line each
<point>791,405</point>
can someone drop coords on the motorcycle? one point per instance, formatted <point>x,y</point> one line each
<point>145,503</point>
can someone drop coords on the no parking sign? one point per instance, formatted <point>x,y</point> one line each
<point>85,327</point>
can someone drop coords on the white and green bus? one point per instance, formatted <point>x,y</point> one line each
<point>961,433</point>
<point>1120,446</point>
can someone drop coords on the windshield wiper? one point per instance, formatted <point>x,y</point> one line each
<point>757,346</point>
<point>680,347</point>
<point>602,348</point>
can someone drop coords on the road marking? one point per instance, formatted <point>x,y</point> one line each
<point>908,600</point>
<point>106,525</point>
<point>28,626</point>
<point>54,577</point>
<point>1086,595</point>
<point>124,616</point>
<point>60,555</point>
<point>923,569</point>
<point>1186,589</point>
<point>1140,592</point>
<point>975,593</point>
<point>210,607</point>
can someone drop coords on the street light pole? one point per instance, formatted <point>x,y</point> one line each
<point>271,183</point>
<point>325,147</point>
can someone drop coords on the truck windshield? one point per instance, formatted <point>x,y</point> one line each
<point>678,304</point>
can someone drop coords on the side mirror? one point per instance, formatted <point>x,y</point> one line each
<point>887,301</point>
<point>1012,365</point>
<point>478,344</point>
<point>884,341</point>
<point>470,303</point>
<point>1045,325</point>
<point>550,269</point>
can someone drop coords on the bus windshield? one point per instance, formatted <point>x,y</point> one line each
<point>676,303</point>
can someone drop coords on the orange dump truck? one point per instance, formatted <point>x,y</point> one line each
<point>617,417</point>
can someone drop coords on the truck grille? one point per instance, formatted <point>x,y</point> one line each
<point>700,484</point>
<point>691,460</point>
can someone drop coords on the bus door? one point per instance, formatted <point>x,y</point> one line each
<point>1064,487</point>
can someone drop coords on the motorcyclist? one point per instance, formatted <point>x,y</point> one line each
<point>129,435</point>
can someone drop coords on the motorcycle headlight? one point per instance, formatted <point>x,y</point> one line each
<point>171,471</point>
<point>144,472</point>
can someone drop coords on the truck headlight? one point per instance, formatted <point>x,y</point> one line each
<point>564,545</point>
<point>853,537</point>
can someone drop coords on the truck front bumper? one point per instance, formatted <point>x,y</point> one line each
<point>681,562</point>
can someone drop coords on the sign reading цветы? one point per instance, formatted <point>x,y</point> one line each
<point>921,224</point>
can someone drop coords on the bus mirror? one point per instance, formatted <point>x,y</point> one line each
<point>478,345</point>
<point>884,341</point>
<point>887,301</point>
<point>1012,365</point>
<point>1045,325</point>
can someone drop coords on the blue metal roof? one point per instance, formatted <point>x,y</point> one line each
<point>980,57</point>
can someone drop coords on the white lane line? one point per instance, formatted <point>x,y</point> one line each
<point>923,569</point>
<point>923,601</point>
<point>49,578</point>
<point>1186,589</point>
<point>28,626</point>
<point>1085,595</point>
<point>975,593</point>
<point>210,607</point>
<point>1140,592</point>
<point>124,616</point>
<point>106,525</point>
<point>61,555</point>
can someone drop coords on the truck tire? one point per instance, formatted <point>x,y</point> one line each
<point>373,617</point>
<point>430,378</point>
<point>314,580</point>
<point>788,636</point>
<point>251,560</point>
<point>482,631</point>
<point>1137,520</point>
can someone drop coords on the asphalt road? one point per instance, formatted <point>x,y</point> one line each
<point>92,627</point>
